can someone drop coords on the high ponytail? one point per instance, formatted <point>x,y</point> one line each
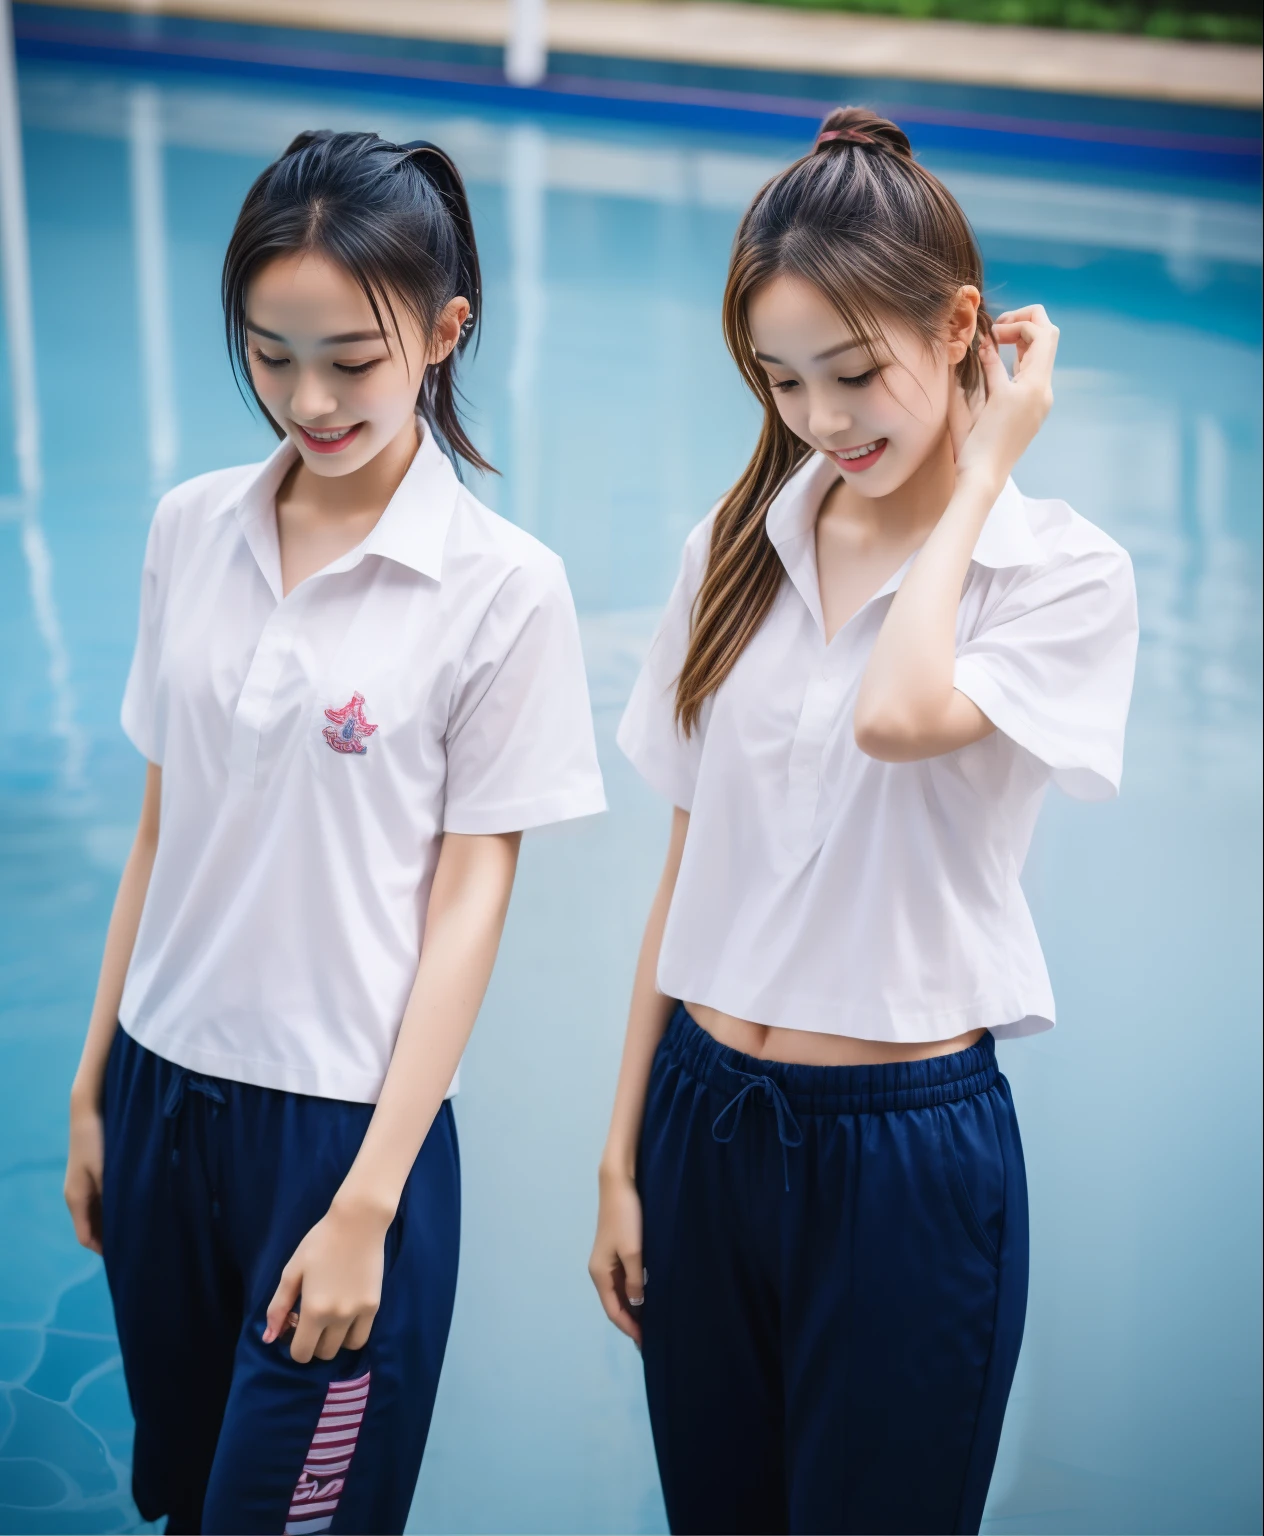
<point>884,241</point>
<point>925,210</point>
<point>396,218</point>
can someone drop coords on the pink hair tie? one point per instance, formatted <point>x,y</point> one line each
<point>850,135</point>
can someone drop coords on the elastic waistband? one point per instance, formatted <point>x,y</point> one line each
<point>873,1090</point>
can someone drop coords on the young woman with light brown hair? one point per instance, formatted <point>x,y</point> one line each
<point>877,656</point>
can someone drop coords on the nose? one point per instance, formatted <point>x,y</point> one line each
<point>826,422</point>
<point>312,397</point>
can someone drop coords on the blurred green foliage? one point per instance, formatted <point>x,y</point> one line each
<point>1225,21</point>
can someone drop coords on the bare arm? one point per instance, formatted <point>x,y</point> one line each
<point>338,1265</point>
<point>908,708</point>
<point>616,1267</point>
<point>84,1165</point>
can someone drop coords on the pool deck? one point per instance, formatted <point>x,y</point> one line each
<point>755,37</point>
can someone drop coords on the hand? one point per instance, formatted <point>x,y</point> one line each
<point>989,437</point>
<point>337,1269</point>
<point>85,1166</point>
<point>616,1266</point>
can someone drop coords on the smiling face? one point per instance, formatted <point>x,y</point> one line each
<point>322,367</point>
<point>879,411</point>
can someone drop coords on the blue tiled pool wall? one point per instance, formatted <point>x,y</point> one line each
<point>1158,138</point>
<point>603,391</point>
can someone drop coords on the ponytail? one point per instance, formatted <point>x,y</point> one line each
<point>439,394</point>
<point>396,218</point>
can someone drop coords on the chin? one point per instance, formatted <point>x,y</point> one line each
<point>877,486</point>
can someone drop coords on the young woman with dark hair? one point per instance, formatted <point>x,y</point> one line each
<point>878,654</point>
<point>355,687</point>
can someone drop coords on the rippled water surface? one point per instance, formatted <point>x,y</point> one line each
<point>603,392</point>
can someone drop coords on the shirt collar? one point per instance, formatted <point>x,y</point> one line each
<point>1006,538</point>
<point>412,531</point>
<point>791,525</point>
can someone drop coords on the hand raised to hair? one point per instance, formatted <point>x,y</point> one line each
<point>1015,408</point>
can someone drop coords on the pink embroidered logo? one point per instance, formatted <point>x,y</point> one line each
<point>321,1481</point>
<point>349,727</point>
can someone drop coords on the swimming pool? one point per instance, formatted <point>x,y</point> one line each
<point>603,391</point>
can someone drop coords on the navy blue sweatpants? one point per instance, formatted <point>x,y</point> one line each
<point>837,1279</point>
<point>210,1186</point>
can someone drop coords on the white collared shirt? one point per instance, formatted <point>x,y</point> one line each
<point>821,889</point>
<point>315,748</point>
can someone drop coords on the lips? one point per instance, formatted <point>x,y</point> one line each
<point>331,439</point>
<point>863,456</point>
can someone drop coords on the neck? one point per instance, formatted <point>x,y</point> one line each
<point>910,511</point>
<point>365,491</point>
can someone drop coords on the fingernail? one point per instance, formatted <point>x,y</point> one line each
<point>636,1301</point>
<point>268,1335</point>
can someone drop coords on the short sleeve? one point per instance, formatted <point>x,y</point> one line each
<point>521,750</point>
<point>1052,665</point>
<point>648,734</point>
<point>139,714</point>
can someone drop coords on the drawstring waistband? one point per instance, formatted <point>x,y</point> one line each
<point>792,1091</point>
<point>788,1132</point>
<point>870,1090</point>
<point>184,1082</point>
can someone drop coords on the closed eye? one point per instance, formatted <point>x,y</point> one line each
<point>270,362</point>
<point>357,368</point>
<point>859,380</point>
<point>783,384</point>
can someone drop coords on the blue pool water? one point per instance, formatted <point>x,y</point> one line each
<point>603,391</point>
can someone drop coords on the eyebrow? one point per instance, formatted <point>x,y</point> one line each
<point>326,341</point>
<point>843,346</point>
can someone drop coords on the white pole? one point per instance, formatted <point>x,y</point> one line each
<point>527,51</point>
<point>149,235</point>
<point>525,190</point>
<point>16,258</point>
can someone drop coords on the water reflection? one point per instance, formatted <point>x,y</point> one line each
<point>24,508</point>
<point>524,198</point>
<point>153,303</point>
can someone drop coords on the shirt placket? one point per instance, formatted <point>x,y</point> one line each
<point>273,652</point>
<point>822,700</point>
<point>835,667</point>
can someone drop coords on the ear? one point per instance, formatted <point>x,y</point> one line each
<point>447,331</point>
<point>962,320</point>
